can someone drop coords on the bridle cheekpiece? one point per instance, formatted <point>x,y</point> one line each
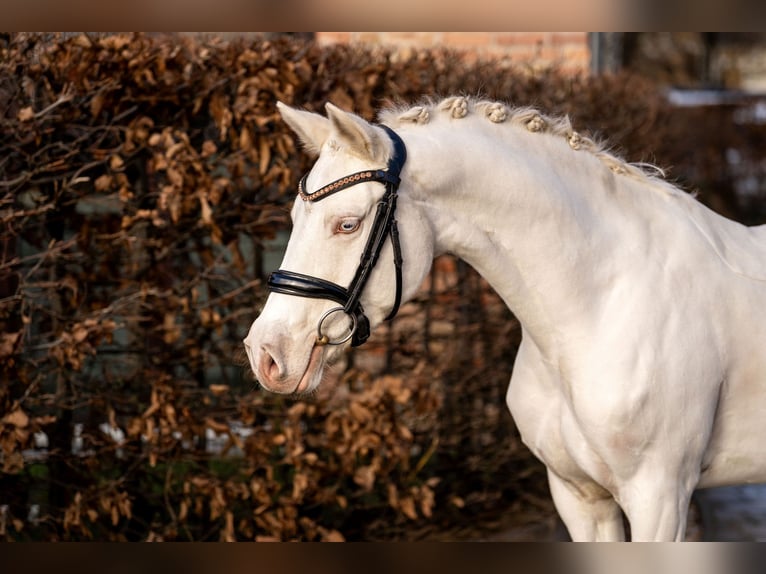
<point>383,226</point>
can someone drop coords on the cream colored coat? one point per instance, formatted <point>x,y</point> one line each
<point>642,370</point>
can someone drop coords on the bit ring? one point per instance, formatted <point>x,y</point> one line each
<point>323,339</point>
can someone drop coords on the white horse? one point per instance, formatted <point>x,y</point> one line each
<point>641,372</point>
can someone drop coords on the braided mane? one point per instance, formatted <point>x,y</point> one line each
<point>528,118</point>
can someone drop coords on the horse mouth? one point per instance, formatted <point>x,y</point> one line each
<point>315,359</point>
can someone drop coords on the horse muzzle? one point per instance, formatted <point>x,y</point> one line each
<point>281,366</point>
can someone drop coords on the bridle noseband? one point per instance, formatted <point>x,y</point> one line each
<point>383,226</point>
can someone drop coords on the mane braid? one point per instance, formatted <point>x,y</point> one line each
<point>529,118</point>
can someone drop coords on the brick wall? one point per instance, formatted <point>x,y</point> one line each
<point>569,50</point>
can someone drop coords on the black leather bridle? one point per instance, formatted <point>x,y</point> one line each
<point>383,226</point>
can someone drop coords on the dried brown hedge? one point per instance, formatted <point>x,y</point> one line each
<point>139,177</point>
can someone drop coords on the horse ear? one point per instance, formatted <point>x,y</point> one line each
<point>312,129</point>
<point>361,137</point>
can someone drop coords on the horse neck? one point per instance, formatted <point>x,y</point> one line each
<point>526,212</point>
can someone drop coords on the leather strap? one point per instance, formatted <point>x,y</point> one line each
<point>291,283</point>
<point>398,268</point>
<point>343,183</point>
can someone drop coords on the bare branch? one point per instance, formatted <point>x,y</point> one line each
<point>66,96</point>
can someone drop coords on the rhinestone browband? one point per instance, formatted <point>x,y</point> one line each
<point>355,178</point>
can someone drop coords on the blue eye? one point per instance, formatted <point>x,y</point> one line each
<point>347,226</point>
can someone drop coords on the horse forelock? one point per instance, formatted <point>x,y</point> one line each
<point>528,118</point>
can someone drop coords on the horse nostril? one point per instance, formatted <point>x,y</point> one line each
<point>269,367</point>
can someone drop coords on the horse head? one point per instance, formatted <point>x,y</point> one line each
<point>347,265</point>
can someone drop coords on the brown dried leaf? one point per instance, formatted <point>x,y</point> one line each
<point>297,410</point>
<point>175,177</point>
<point>360,413</point>
<point>403,396</point>
<point>116,163</point>
<point>170,415</point>
<point>172,330</point>
<point>427,501</point>
<point>331,535</point>
<point>227,534</point>
<point>13,463</point>
<point>103,182</point>
<point>174,149</point>
<point>125,505</point>
<point>264,153</point>
<point>208,148</point>
<point>393,495</point>
<point>183,511</point>
<point>96,104</point>
<point>8,343</point>
<point>21,435</point>
<point>79,333</point>
<point>207,212</point>
<point>365,477</point>
<point>83,41</point>
<point>135,427</point>
<point>25,114</point>
<point>407,506</point>
<point>218,389</point>
<point>17,418</point>
<point>115,42</point>
<point>245,141</point>
<point>404,432</point>
<point>216,426</point>
<point>44,420</point>
<point>153,406</point>
<point>300,484</point>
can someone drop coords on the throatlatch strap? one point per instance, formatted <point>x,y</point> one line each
<point>398,268</point>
